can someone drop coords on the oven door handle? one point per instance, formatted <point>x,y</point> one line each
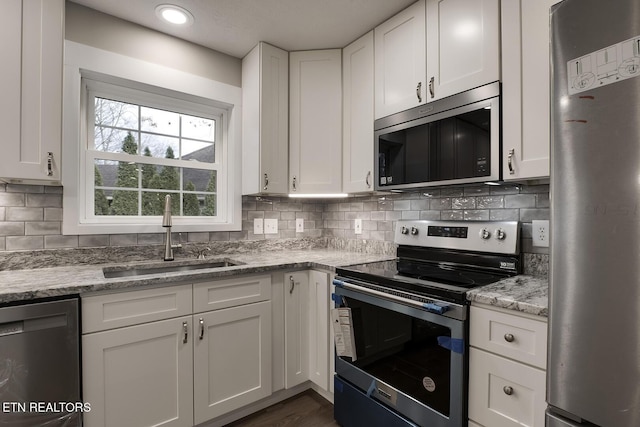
<point>437,308</point>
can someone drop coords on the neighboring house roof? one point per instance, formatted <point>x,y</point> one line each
<point>198,177</point>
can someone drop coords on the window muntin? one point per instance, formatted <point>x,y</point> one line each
<point>144,146</point>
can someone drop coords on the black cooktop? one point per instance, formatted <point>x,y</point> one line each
<point>435,277</point>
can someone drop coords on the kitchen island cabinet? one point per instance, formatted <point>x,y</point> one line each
<point>32,33</point>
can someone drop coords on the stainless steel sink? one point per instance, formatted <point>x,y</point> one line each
<point>111,272</point>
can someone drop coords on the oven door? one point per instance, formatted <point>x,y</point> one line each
<point>407,358</point>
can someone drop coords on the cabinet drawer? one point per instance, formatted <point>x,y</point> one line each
<point>102,312</point>
<point>509,335</point>
<point>504,393</point>
<point>219,294</point>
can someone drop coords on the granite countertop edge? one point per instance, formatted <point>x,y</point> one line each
<point>523,293</point>
<point>32,284</point>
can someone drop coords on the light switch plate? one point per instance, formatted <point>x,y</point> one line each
<point>258,226</point>
<point>358,226</point>
<point>270,226</point>
<point>299,225</point>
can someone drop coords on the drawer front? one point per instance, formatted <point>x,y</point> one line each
<point>218,294</point>
<point>509,335</point>
<point>472,424</point>
<point>504,393</point>
<point>102,312</point>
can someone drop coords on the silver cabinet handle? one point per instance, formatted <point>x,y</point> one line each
<point>185,330</point>
<point>293,184</point>
<point>512,152</point>
<point>49,163</point>
<point>201,336</point>
<point>368,179</point>
<point>507,390</point>
<point>293,284</point>
<point>266,182</point>
<point>432,89</point>
<point>419,91</point>
<point>509,337</point>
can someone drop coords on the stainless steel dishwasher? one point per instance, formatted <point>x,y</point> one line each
<point>39,365</point>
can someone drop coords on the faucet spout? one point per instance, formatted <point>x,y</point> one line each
<point>166,223</point>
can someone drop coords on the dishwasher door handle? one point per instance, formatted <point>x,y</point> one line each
<point>33,324</point>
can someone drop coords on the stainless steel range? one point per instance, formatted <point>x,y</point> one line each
<point>405,360</point>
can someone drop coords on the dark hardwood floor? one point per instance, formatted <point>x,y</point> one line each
<point>307,409</point>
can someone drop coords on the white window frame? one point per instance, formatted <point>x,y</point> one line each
<point>84,64</point>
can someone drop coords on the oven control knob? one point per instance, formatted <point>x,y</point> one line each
<point>404,230</point>
<point>414,231</point>
<point>485,234</point>
<point>500,234</point>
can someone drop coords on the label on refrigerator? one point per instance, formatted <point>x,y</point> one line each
<point>612,64</point>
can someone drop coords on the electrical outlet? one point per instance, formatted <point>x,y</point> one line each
<point>270,226</point>
<point>358,226</point>
<point>540,233</point>
<point>299,225</point>
<point>258,226</point>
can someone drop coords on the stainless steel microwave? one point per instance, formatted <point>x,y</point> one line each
<point>455,140</point>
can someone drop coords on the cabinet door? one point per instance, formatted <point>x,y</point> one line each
<point>296,325</point>
<point>265,120</point>
<point>463,45</point>
<point>140,375</point>
<point>319,328</point>
<point>504,393</point>
<point>32,33</point>
<point>400,65</point>
<point>315,122</point>
<point>525,88</point>
<point>232,359</point>
<point>357,104</point>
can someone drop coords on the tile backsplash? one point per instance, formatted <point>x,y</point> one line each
<point>31,216</point>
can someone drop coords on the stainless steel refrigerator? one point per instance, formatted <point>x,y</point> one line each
<point>593,373</point>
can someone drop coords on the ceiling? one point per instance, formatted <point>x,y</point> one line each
<point>234,27</point>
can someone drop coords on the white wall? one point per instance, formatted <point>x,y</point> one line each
<point>89,27</point>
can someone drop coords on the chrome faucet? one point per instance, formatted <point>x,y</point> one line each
<point>166,223</point>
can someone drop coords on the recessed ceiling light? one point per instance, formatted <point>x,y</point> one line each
<point>174,14</point>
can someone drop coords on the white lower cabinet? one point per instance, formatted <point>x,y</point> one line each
<point>178,355</point>
<point>139,375</point>
<point>506,369</point>
<point>232,359</point>
<point>308,349</point>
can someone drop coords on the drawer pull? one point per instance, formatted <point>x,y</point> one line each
<point>509,338</point>
<point>507,390</point>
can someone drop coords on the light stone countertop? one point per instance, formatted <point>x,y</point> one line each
<point>22,285</point>
<point>527,294</point>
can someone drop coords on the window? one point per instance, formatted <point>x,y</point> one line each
<point>146,147</point>
<point>135,132</point>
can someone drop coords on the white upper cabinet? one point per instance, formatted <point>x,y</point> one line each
<point>265,120</point>
<point>357,126</point>
<point>463,45</point>
<point>525,88</point>
<point>32,34</point>
<point>400,65</point>
<point>315,121</point>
